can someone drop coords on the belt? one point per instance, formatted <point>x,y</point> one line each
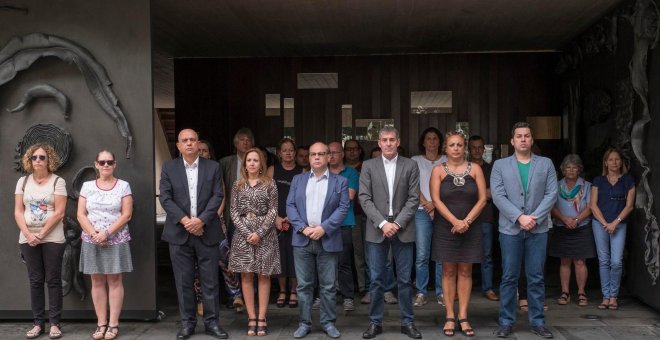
<point>390,219</point>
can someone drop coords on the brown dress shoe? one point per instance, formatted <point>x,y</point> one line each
<point>490,295</point>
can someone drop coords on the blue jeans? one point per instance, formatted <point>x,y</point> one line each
<point>487,263</point>
<point>609,248</point>
<point>312,261</point>
<point>377,257</point>
<point>423,237</point>
<point>531,247</point>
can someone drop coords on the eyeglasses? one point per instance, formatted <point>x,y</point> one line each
<point>40,157</point>
<point>335,152</point>
<point>103,163</point>
<point>320,154</point>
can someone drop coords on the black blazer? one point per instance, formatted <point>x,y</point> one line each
<point>175,200</point>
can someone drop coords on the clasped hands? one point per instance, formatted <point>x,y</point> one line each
<point>314,232</point>
<point>34,239</point>
<point>527,222</point>
<point>99,237</point>
<point>390,229</point>
<point>460,226</point>
<point>193,225</point>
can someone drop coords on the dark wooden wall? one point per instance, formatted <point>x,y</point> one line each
<point>491,91</point>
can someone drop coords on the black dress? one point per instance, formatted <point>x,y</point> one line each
<point>465,247</point>
<point>283,180</point>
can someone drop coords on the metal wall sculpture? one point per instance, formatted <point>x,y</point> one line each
<point>43,91</point>
<point>21,52</point>
<point>645,21</point>
<point>57,137</point>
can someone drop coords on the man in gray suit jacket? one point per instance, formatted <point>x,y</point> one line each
<point>524,189</point>
<point>389,196</point>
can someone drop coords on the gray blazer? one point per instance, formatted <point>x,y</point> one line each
<point>374,197</point>
<point>507,191</point>
<point>228,165</point>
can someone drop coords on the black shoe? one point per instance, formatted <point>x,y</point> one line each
<point>542,332</point>
<point>216,332</point>
<point>372,331</point>
<point>411,331</point>
<point>185,333</point>
<point>504,331</point>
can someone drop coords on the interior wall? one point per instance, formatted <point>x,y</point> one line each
<point>117,34</point>
<point>491,91</point>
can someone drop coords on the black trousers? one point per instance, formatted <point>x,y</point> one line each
<point>345,278</point>
<point>44,265</point>
<point>183,265</point>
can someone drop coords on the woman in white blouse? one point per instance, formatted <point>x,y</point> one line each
<point>104,208</point>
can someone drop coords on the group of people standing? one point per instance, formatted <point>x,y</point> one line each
<point>301,222</point>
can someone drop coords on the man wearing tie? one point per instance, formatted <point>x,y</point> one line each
<point>389,196</point>
<point>316,207</point>
<point>190,193</point>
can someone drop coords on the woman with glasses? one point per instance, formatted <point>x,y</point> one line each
<point>612,200</point>
<point>105,206</point>
<point>572,239</point>
<point>40,202</point>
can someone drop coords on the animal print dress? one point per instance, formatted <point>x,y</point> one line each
<point>253,209</point>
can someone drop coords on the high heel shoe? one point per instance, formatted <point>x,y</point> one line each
<point>262,330</point>
<point>252,329</point>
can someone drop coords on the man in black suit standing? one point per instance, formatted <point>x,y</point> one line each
<point>190,193</point>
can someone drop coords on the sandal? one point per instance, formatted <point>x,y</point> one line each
<point>293,303</point>
<point>112,332</point>
<point>522,305</point>
<point>262,330</point>
<point>605,304</point>
<point>582,300</point>
<point>564,299</point>
<point>252,329</point>
<point>613,306</point>
<point>55,332</point>
<point>449,331</point>
<point>100,332</point>
<point>35,332</point>
<point>468,332</point>
<point>281,299</point>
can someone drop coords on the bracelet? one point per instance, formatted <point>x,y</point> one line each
<point>619,219</point>
<point>468,220</point>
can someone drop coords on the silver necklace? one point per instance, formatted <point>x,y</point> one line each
<point>459,180</point>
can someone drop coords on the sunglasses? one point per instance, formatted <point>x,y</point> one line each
<point>40,157</point>
<point>103,163</point>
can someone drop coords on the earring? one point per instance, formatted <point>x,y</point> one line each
<point>260,171</point>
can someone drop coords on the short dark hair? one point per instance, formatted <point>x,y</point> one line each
<point>520,125</point>
<point>208,144</point>
<point>475,138</point>
<point>420,143</point>
<point>361,158</point>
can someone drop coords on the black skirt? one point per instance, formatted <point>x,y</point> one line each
<point>575,243</point>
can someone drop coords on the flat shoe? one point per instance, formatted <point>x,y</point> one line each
<point>55,334</point>
<point>564,299</point>
<point>112,332</point>
<point>582,300</point>
<point>35,332</point>
<point>99,333</point>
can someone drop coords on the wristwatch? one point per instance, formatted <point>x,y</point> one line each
<point>301,230</point>
<point>619,219</point>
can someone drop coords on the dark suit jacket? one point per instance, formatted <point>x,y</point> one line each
<point>228,165</point>
<point>375,196</point>
<point>175,200</point>
<point>335,209</point>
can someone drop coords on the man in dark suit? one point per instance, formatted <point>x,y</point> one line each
<point>389,196</point>
<point>190,193</point>
<point>316,206</point>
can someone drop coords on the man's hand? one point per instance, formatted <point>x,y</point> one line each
<point>315,233</point>
<point>527,222</point>
<point>390,229</point>
<point>278,222</point>
<point>194,226</point>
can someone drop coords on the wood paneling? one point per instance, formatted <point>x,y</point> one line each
<point>491,91</point>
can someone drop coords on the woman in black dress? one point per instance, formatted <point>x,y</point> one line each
<point>282,173</point>
<point>458,191</point>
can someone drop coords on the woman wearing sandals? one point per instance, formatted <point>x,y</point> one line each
<point>105,206</point>
<point>612,200</point>
<point>458,192</point>
<point>571,238</point>
<point>40,202</point>
<point>282,173</point>
<point>254,245</point>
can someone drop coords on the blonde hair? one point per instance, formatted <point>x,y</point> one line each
<point>263,176</point>
<point>452,134</point>
<point>624,167</point>
<point>52,158</point>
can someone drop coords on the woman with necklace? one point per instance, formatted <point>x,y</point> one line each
<point>458,191</point>
<point>612,200</point>
<point>105,207</point>
<point>572,239</point>
<point>282,173</point>
<point>40,202</point>
<point>429,147</point>
<point>254,248</point>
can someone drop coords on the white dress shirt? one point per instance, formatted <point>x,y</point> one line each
<point>315,192</point>
<point>191,176</point>
<point>390,172</point>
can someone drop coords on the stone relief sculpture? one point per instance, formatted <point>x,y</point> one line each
<point>43,91</point>
<point>21,52</point>
<point>57,137</point>
<point>644,20</point>
<point>623,116</point>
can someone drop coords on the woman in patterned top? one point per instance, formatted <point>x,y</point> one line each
<point>38,210</point>
<point>254,246</point>
<point>104,208</point>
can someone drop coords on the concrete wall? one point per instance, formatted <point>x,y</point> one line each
<point>117,33</point>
